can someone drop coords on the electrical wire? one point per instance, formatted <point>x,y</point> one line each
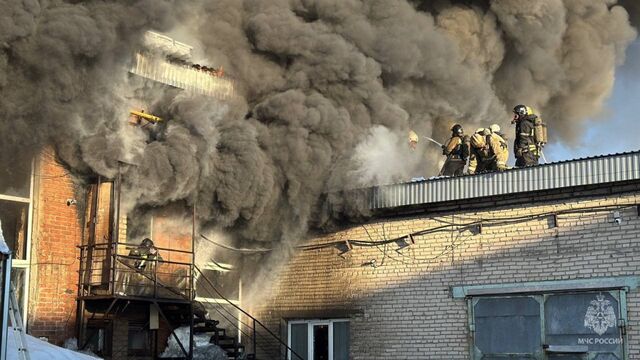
<point>384,250</point>
<point>447,226</point>
<point>246,251</point>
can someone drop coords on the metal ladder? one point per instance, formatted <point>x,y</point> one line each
<point>17,325</point>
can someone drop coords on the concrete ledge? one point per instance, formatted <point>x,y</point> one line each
<point>622,282</point>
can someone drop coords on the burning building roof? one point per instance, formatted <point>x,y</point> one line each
<point>557,175</point>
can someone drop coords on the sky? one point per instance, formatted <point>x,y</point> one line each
<point>617,129</point>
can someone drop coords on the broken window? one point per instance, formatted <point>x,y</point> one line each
<point>16,181</point>
<point>14,217</point>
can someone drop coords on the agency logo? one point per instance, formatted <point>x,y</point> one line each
<point>600,315</point>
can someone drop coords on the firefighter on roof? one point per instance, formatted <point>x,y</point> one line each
<point>413,139</point>
<point>531,136</point>
<point>501,147</point>
<point>495,129</point>
<point>457,152</point>
<point>488,152</point>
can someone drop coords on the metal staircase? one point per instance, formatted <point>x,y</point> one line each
<point>252,332</point>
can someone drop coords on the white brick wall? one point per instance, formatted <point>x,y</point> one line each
<point>403,310</point>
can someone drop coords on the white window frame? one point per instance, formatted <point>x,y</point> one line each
<point>310,324</point>
<point>25,263</point>
<point>223,267</point>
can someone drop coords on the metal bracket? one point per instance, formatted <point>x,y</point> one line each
<point>566,349</point>
<point>622,324</point>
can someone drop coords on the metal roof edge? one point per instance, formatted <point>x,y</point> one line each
<point>564,174</point>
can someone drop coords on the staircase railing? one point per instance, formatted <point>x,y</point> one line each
<point>105,272</point>
<point>255,322</point>
<point>92,274</point>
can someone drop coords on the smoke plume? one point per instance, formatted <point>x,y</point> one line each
<point>326,91</point>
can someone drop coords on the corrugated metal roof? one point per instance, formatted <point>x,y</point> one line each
<point>564,174</point>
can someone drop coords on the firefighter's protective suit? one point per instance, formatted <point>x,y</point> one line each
<point>531,136</point>
<point>456,157</point>
<point>137,273</point>
<point>489,152</point>
<point>457,152</point>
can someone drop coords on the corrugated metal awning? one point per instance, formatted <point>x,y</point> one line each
<point>565,174</point>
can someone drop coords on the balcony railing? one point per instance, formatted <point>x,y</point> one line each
<point>106,272</point>
<point>182,76</point>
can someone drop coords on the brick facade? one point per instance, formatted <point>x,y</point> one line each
<point>54,256</point>
<point>403,308</point>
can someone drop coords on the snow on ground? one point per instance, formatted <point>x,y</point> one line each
<point>202,350</point>
<point>42,350</point>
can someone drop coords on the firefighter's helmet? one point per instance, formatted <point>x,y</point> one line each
<point>521,110</point>
<point>147,242</point>
<point>457,130</point>
<point>495,128</point>
<point>413,137</point>
<point>477,140</point>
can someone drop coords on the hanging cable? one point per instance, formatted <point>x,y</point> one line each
<point>246,251</point>
<point>448,226</point>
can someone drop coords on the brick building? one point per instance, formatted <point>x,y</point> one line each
<point>540,262</point>
<point>535,263</point>
<point>70,242</point>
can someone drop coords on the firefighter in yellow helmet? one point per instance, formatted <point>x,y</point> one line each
<point>488,152</point>
<point>413,139</point>
<point>500,147</point>
<point>457,151</point>
<point>530,136</point>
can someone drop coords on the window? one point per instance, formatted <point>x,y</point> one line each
<point>14,217</point>
<point>139,340</point>
<point>98,336</point>
<point>228,284</point>
<point>16,209</point>
<point>319,339</point>
<point>574,319</point>
<point>507,325</point>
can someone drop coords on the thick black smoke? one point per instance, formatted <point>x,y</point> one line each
<point>61,75</point>
<point>326,91</point>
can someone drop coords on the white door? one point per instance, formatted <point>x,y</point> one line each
<point>319,339</point>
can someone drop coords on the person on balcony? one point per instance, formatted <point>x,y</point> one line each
<point>137,274</point>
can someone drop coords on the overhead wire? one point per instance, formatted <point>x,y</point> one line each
<point>447,226</point>
<point>227,247</point>
<point>383,251</point>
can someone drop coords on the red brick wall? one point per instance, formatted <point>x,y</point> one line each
<point>173,234</point>
<point>54,263</point>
